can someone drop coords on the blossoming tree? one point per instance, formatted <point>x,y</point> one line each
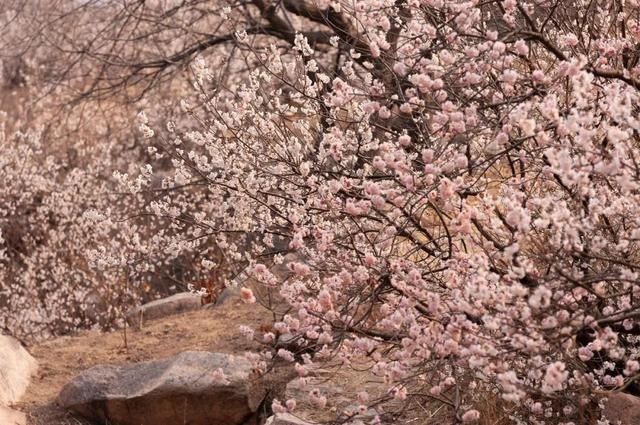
<point>458,182</point>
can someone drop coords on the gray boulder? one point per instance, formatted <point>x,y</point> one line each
<point>16,368</point>
<point>227,295</point>
<point>285,419</point>
<point>185,389</point>
<point>353,416</point>
<point>175,304</point>
<point>622,408</point>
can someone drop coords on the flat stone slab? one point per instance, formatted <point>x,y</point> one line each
<point>175,304</point>
<point>622,408</point>
<point>193,388</point>
<point>12,417</point>
<point>286,419</point>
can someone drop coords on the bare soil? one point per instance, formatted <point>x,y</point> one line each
<point>62,358</point>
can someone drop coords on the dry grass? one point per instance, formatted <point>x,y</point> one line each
<point>493,411</point>
<point>61,359</point>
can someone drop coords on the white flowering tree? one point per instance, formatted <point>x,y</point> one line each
<point>57,157</point>
<point>458,181</point>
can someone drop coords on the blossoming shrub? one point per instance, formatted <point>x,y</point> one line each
<point>460,189</point>
<point>47,286</point>
<point>59,206</point>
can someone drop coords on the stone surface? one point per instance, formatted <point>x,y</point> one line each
<point>228,294</point>
<point>288,341</point>
<point>16,368</point>
<point>94,307</point>
<point>354,416</point>
<point>182,390</point>
<point>175,304</point>
<point>285,419</point>
<point>12,417</point>
<point>624,408</point>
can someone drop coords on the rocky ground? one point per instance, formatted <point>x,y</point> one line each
<point>62,358</point>
<point>214,329</point>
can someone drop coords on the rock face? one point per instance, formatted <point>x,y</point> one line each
<point>228,295</point>
<point>16,368</point>
<point>285,419</point>
<point>188,389</point>
<point>175,304</point>
<point>624,408</point>
<point>12,417</point>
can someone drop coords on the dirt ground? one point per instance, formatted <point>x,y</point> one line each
<point>62,358</point>
<point>214,329</point>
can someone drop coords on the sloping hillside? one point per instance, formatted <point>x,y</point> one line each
<point>61,358</point>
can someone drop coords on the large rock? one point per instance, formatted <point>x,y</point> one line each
<point>16,368</point>
<point>182,390</point>
<point>175,304</point>
<point>286,419</point>
<point>228,295</point>
<point>12,417</point>
<point>624,408</point>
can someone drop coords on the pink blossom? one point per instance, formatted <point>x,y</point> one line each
<point>286,355</point>
<point>585,354</point>
<point>220,377</point>
<point>384,113</point>
<point>325,300</point>
<point>301,369</point>
<point>521,47</point>
<point>470,416</point>
<point>299,269</point>
<point>554,378</point>
<point>400,393</point>
<point>631,367</point>
<point>318,399</point>
<point>277,407</point>
<point>247,296</point>
<point>404,140</point>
